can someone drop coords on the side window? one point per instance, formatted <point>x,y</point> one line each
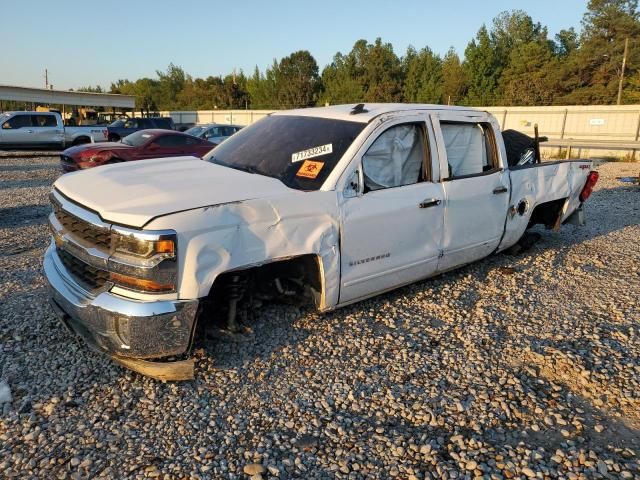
<point>395,158</point>
<point>44,121</point>
<point>19,121</point>
<point>132,123</point>
<point>171,141</point>
<point>470,148</point>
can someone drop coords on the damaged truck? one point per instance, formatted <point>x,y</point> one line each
<point>328,205</point>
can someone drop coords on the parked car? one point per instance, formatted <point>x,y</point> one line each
<point>44,130</point>
<point>137,146</point>
<point>126,126</point>
<point>213,132</point>
<point>331,205</point>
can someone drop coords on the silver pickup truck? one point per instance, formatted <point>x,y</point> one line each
<point>44,130</point>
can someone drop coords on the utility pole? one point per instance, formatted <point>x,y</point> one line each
<point>46,79</point>
<point>624,64</point>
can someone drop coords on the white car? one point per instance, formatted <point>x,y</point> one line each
<point>44,130</point>
<point>332,205</point>
<point>213,132</point>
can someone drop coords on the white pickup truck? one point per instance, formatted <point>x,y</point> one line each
<point>332,205</point>
<point>44,130</point>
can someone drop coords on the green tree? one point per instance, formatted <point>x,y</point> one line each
<point>591,72</point>
<point>369,73</point>
<point>454,79</point>
<point>341,82</point>
<point>297,80</point>
<point>566,42</point>
<point>482,68</point>
<point>423,76</point>
<point>525,80</point>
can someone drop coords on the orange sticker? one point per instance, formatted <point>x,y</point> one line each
<point>310,169</point>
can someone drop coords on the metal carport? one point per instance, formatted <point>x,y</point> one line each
<point>62,97</point>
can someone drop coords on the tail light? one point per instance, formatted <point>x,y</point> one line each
<point>93,156</point>
<point>592,178</point>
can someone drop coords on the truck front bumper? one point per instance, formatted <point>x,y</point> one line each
<point>129,331</point>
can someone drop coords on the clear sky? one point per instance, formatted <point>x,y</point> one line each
<point>96,42</point>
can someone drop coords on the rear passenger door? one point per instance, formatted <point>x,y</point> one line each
<point>46,131</point>
<point>476,188</point>
<point>392,228</point>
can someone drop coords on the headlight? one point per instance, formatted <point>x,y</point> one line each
<point>143,248</point>
<point>144,261</point>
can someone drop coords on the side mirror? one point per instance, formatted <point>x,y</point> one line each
<point>352,188</point>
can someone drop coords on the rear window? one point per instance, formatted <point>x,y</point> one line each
<point>166,123</point>
<point>44,121</point>
<point>299,151</point>
<point>138,138</point>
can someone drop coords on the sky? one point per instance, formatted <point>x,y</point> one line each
<point>84,43</point>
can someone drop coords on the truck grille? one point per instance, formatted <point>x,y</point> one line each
<point>82,230</point>
<point>89,277</point>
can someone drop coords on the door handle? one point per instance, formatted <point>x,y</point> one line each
<point>430,202</point>
<point>500,190</point>
<point>29,131</point>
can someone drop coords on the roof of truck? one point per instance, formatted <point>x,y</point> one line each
<point>371,110</point>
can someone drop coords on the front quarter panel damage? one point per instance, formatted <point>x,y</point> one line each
<point>213,240</point>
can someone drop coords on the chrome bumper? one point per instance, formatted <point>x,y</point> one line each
<point>119,326</point>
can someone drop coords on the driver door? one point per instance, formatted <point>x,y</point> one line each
<point>392,228</point>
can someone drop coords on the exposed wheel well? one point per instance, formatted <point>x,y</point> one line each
<point>296,280</point>
<point>81,140</point>
<point>547,214</point>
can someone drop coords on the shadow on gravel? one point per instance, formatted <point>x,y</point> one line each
<point>24,216</point>
<point>8,184</point>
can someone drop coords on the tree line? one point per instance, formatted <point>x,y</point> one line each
<point>510,62</point>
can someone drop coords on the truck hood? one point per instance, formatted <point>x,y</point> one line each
<point>134,193</point>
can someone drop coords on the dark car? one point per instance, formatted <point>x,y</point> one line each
<point>137,146</point>
<point>213,132</point>
<point>126,126</point>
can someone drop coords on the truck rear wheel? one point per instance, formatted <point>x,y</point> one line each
<point>81,141</point>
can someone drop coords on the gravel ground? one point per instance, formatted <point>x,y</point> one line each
<point>514,367</point>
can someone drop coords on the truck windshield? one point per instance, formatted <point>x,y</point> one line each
<point>299,151</point>
<point>117,123</point>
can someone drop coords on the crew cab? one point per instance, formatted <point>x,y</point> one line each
<point>44,130</point>
<point>333,205</point>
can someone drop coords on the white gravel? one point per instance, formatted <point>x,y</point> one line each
<point>514,367</point>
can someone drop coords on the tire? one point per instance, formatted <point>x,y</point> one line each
<point>515,143</point>
<point>114,138</point>
<point>81,141</point>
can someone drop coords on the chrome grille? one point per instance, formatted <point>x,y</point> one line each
<point>89,277</point>
<point>83,230</point>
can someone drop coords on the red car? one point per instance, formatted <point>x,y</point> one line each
<point>137,146</point>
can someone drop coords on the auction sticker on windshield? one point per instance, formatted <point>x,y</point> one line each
<point>310,169</point>
<point>312,152</point>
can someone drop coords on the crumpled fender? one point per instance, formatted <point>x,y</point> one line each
<point>216,239</point>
